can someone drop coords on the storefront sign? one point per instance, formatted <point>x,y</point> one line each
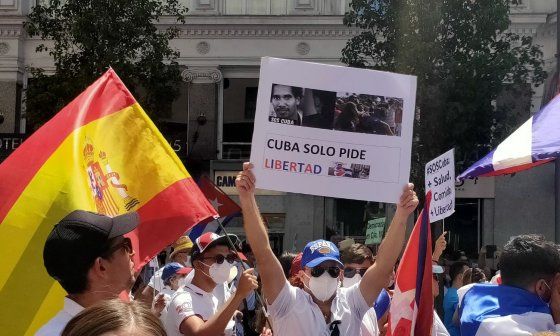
<point>9,142</point>
<point>225,180</point>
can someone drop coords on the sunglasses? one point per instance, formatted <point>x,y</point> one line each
<point>125,244</point>
<point>349,272</point>
<point>219,259</point>
<point>318,271</point>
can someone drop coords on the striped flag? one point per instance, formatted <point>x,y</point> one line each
<point>100,153</point>
<point>224,205</point>
<point>412,306</point>
<point>536,142</point>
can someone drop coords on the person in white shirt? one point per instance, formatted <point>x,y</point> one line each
<point>322,307</point>
<point>438,328</point>
<point>173,277</point>
<point>180,254</point>
<point>91,259</point>
<point>195,310</point>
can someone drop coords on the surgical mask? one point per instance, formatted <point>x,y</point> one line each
<point>323,287</point>
<point>188,262</point>
<point>219,273</point>
<point>349,282</point>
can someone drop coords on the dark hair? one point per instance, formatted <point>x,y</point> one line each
<point>356,254</point>
<point>528,258</point>
<point>473,275</point>
<point>286,261</point>
<point>296,91</point>
<point>456,269</point>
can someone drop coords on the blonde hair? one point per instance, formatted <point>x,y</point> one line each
<point>114,315</point>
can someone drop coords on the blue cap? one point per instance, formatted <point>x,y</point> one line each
<point>171,269</point>
<point>317,251</point>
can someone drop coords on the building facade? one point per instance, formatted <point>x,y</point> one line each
<point>221,44</point>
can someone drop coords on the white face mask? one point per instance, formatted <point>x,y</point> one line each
<point>220,273</point>
<point>349,282</point>
<point>182,282</point>
<point>188,262</point>
<point>323,287</point>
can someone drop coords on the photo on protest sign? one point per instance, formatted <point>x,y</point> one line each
<point>333,131</point>
<point>340,111</point>
<point>341,169</point>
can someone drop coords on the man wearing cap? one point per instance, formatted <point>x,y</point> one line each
<point>321,308</point>
<point>173,275</point>
<point>91,259</point>
<point>180,254</point>
<point>195,310</point>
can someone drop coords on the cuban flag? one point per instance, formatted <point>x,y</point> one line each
<point>488,309</point>
<point>536,142</point>
<point>412,307</point>
<point>225,207</point>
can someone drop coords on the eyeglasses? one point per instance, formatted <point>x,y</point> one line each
<point>125,244</point>
<point>349,272</point>
<point>318,271</point>
<point>219,259</point>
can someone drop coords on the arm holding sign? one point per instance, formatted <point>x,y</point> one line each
<point>378,275</point>
<point>271,273</point>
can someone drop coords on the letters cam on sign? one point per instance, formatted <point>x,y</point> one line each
<point>440,179</point>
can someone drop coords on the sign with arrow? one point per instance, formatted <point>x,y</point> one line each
<point>440,179</point>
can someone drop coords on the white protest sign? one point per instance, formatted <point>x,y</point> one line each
<point>374,231</point>
<point>333,131</point>
<point>440,179</point>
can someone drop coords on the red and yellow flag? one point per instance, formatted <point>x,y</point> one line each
<point>100,153</point>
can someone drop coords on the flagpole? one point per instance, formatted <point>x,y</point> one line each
<point>257,295</point>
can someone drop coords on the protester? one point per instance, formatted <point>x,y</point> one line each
<point>196,310</point>
<point>451,298</point>
<point>528,301</point>
<point>115,317</point>
<point>439,328</point>
<point>321,307</point>
<point>173,277</point>
<point>357,259</point>
<point>473,275</point>
<point>91,259</point>
<point>180,254</point>
<point>286,260</point>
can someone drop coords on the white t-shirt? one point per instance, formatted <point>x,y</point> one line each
<point>439,328</point>
<point>155,281</point>
<point>191,300</point>
<point>370,327</point>
<point>294,313</point>
<point>57,324</point>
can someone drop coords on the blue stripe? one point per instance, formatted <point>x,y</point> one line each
<point>483,301</point>
<point>546,132</point>
<point>423,245</point>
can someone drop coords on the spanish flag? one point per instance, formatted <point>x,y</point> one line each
<point>100,153</point>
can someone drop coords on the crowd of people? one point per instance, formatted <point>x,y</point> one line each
<point>369,114</point>
<point>218,285</point>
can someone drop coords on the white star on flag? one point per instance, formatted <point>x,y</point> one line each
<point>401,303</point>
<point>216,204</point>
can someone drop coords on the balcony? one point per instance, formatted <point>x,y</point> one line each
<point>266,7</point>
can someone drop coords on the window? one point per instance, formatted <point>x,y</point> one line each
<point>240,100</point>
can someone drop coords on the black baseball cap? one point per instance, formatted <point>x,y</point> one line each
<point>81,237</point>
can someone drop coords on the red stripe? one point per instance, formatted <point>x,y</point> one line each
<point>167,216</point>
<point>517,168</point>
<point>104,97</point>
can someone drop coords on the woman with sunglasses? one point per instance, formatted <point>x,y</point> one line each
<point>321,307</point>
<point>196,310</point>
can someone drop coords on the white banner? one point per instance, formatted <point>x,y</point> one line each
<point>333,131</point>
<point>440,179</point>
